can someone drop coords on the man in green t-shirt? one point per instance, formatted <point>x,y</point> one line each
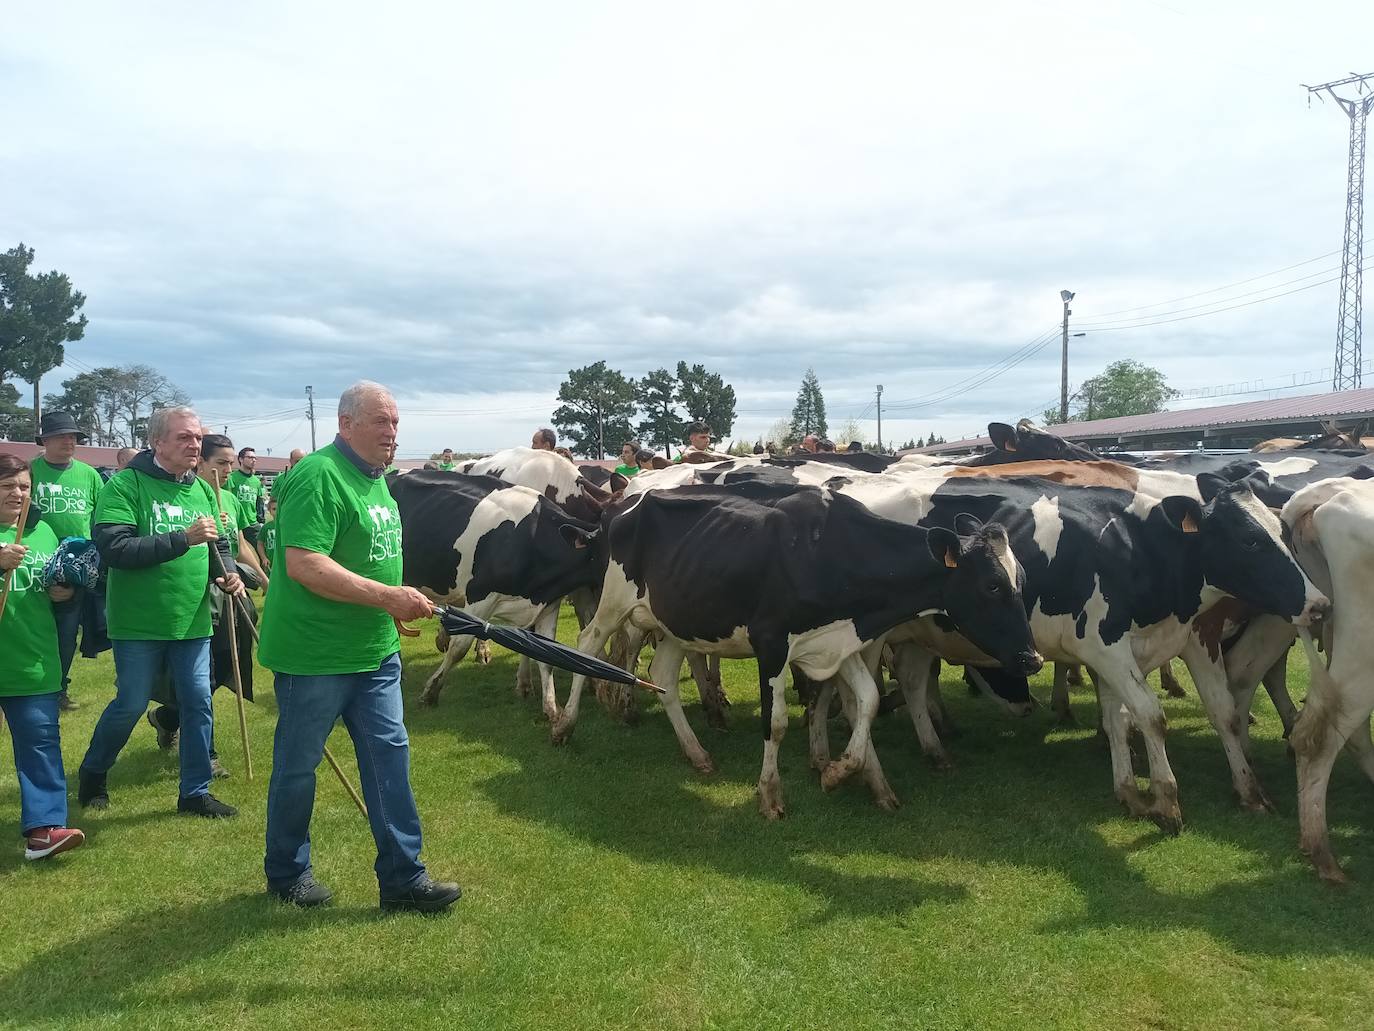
<point>446,461</point>
<point>65,492</point>
<point>329,635</point>
<point>246,485</point>
<point>154,525</point>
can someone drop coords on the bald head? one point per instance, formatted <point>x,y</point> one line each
<point>296,455</point>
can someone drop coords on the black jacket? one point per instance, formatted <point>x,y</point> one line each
<point>121,546</point>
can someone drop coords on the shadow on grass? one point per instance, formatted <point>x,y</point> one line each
<point>1016,799</point>
<point>114,965</point>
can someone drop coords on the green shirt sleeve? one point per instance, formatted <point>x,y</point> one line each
<point>116,505</point>
<point>313,527</point>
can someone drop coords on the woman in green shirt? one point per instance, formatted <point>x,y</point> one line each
<point>30,671</point>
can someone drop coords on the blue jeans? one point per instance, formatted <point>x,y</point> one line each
<point>68,617</point>
<point>137,663</point>
<point>37,760</point>
<point>307,708</point>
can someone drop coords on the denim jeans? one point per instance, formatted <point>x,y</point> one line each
<point>307,708</point>
<point>68,617</point>
<point>137,663</point>
<point>37,760</point>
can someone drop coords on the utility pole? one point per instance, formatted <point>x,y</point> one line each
<point>1346,369</point>
<point>310,413</point>
<point>880,417</point>
<point>1066,296</point>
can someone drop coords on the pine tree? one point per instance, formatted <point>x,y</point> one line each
<point>808,414</point>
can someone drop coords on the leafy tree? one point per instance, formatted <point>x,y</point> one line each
<point>141,390</point>
<point>16,421</point>
<point>662,425</point>
<point>706,398</point>
<point>38,314</point>
<point>808,414</point>
<point>850,431</point>
<point>1125,387</point>
<point>780,433</point>
<point>598,404</point>
<point>81,396</point>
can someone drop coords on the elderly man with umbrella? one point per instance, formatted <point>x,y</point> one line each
<point>330,635</point>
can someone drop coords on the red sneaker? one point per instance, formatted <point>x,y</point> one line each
<point>48,841</point>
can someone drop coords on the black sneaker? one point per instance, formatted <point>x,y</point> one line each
<point>426,896</point>
<point>306,893</point>
<point>206,805</point>
<point>90,791</point>
<point>165,738</point>
<point>65,703</point>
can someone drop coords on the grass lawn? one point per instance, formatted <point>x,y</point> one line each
<point>608,885</point>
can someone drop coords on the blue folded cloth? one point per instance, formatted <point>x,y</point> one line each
<point>75,563</point>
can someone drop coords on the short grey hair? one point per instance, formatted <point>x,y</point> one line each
<point>351,400</point>
<point>157,422</point>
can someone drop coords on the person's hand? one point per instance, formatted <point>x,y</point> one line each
<point>407,603</point>
<point>61,592</point>
<point>230,584</point>
<point>265,583</point>
<point>202,530</point>
<point>11,555</point>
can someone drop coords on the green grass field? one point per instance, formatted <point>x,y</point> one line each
<point>608,885</point>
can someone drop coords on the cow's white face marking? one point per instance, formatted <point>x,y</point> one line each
<point>1049,525</point>
<point>1288,466</point>
<point>1002,550</point>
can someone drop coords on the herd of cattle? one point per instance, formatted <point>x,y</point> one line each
<point>834,566</point>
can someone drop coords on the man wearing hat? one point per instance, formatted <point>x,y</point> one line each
<point>65,492</point>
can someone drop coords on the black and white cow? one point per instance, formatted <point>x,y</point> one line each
<point>1115,579</point>
<point>505,553</point>
<point>552,475</point>
<point>793,575</point>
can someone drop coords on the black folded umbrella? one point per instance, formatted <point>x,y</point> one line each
<point>541,649</point>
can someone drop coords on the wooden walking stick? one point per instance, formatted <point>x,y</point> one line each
<point>328,755</point>
<point>233,640</point>
<point>18,539</point>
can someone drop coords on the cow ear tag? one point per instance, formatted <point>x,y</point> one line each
<point>1189,524</point>
<point>1009,445</point>
<point>951,559</point>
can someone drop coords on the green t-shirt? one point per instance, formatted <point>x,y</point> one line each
<point>268,538</point>
<point>247,489</point>
<point>627,471</point>
<point>28,635</point>
<point>169,601</point>
<point>329,507</point>
<point>447,466</point>
<point>66,497</point>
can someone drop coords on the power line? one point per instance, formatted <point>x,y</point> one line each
<point>1222,300</point>
<point>1216,311</point>
<point>1218,289</point>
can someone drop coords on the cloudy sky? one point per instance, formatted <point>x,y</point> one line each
<point>465,200</point>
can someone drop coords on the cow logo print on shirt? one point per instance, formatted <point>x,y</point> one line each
<point>53,499</point>
<point>386,533</point>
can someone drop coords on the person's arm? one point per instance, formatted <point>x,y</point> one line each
<point>249,558</point>
<point>122,548</point>
<point>321,575</point>
<point>263,562</point>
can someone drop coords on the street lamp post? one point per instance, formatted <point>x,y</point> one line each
<point>1066,296</point>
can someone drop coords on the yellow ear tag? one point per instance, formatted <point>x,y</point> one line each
<point>1010,445</point>
<point>1189,523</point>
<point>951,560</point>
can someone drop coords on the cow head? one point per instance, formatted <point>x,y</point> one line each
<point>1009,690</point>
<point>1243,552</point>
<point>1024,443</point>
<point>982,592</point>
